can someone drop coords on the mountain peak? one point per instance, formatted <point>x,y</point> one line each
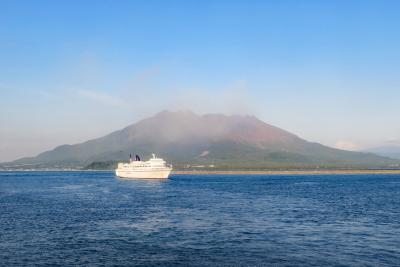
<point>189,113</point>
<point>186,126</point>
<point>169,113</point>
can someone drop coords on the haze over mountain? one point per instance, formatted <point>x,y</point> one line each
<point>186,138</point>
<point>385,151</point>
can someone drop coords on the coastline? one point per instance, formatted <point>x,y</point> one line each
<point>243,172</point>
<point>288,172</point>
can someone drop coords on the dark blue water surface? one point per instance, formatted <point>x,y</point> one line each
<point>93,218</point>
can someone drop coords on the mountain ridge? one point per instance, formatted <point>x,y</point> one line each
<point>391,151</point>
<point>185,138</point>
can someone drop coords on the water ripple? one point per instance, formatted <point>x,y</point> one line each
<point>89,218</point>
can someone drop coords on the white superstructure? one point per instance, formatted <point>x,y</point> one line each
<point>155,168</point>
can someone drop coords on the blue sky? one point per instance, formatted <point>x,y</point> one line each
<point>74,70</point>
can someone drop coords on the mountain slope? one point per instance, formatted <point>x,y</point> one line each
<point>187,138</point>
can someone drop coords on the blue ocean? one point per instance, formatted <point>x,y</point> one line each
<point>94,218</point>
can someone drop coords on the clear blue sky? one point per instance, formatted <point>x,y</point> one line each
<point>329,71</point>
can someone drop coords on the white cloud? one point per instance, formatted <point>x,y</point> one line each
<point>102,98</point>
<point>346,145</point>
<point>232,99</point>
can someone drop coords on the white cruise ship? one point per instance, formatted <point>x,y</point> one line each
<point>155,168</point>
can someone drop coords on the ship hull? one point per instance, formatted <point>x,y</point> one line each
<point>143,174</point>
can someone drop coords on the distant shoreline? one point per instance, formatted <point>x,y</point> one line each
<point>244,172</point>
<point>289,172</point>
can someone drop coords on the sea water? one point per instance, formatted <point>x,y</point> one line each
<point>94,218</point>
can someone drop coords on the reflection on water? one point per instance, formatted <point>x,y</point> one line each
<point>143,182</point>
<point>89,218</point>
